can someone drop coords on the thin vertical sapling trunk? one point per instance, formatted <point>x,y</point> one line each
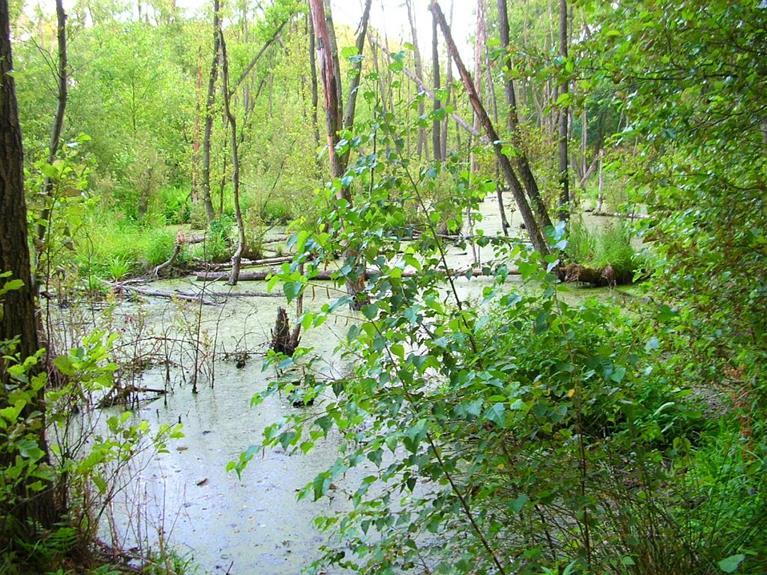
<point>208,126</point>
<point>564,175</point>
<point>313,77</point>
<point>419,74</point>
<point>436,122</point>
<point>237,256</point>
<point>533,229</point>
<point>58,120</point>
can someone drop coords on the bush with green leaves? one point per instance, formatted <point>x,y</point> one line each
<point>40,454</point>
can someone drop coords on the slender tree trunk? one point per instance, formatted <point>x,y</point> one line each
<point>209,103</point>
<point>512,121</point>
<point>517,191</point>
<point>419,74</point>
<point>564,172</point>
<point>232,121</point>
<point>18,319</point>
<point>436,140</point>
<point>315,95</point>
<point>197,130</point>
<point>58,120</point>
<point>351,101</point>
<point>449,86</point>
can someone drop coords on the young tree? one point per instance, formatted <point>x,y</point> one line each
<point>564,176</point>
<point>436,121</point>
<point>58,121</point>
<point>209,103</point>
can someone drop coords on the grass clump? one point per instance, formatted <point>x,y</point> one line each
<point>609,246</point>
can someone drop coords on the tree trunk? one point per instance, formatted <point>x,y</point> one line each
<point>448,101</point>
<point>332,47</point>
<point>315,95</point>
<point>436,140</point>
<point>419,74</point>
<point>533,230</point>
<point>232,121</point>
<point>209,102</point>
<point>333,118</point>
<point>351,102</point>
<point>512,121</point>
<point>18,319</point>
<point>564,175</point>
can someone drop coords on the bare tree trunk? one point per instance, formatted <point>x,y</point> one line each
<point>449,86</point>
<point>419,74</point>
<point>564,175</point>
<point>333,48</point>
<point>512,122</point>
<point>196,134</point>
<point>58,120</point>
<point>533,230</point>
<point>315,96</point>
<point>351,102</point>
<point>237,256</point>
<point>208,127</point>
<point>18,319</point>
<point>436,140</point>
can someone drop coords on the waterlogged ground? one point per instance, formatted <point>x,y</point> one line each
<point>253,524</point>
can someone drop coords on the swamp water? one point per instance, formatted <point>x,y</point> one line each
<point>253,525</point>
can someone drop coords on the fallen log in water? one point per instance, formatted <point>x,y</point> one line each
<point>327,275</point>
<point>606,276</point>
<point>270,261</point>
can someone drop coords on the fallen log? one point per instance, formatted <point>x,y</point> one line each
<point>270,261</point>
<point>327,275</point>
<point>620,215</point>
<point>607,276</point>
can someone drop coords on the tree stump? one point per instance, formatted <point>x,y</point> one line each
<point>284,340</point>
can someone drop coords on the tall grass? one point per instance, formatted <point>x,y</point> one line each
<point>611,245</point>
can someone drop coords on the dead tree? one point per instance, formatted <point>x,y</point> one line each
<point>326,49</point>
<point>285,340</point>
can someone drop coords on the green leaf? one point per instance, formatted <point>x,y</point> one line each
<point>730,564</point>
<point>496,414</point>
